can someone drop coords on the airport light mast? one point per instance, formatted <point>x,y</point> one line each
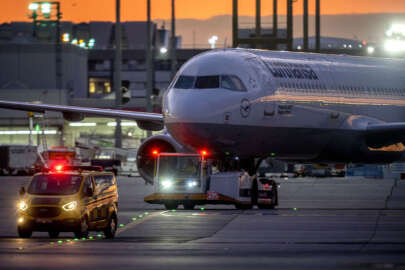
<point>173,42</point>
<point>50,14</point>
<point>117,73</point>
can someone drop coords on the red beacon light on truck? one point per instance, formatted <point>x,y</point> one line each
<point>204,153</point>
<point>55,168</point>
<point>155,152</point>
<point>58,167</point>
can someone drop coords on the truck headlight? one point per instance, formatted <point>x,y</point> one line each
<point>192,183</point>
<point>22,205</point>
<point>70,206</point>
<point>167,183</point>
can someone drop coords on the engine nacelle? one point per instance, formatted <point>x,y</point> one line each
<point>145,160</point>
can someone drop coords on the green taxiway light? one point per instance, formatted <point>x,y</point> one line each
<point>295,209</point>
<point>91,237</point>
<point>76,239</point>
<point>146,213</point>
<point>174,210</point>
<point>122,225</point>
<point>84,238</point>
<point>227,153</point>
<point>60,241</point>
<point>99,235</point>
<point>134,218</point>
<point>273,154</point>
<point>202,208</point>
<point>68,240</point>
<point>140,216</point>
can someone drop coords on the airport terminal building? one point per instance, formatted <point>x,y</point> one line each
<point>79,72</point>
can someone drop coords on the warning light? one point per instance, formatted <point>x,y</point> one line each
<point>155,152</point>
<point>204,153</point>
<point>58,168</point>
<point>66,37</point>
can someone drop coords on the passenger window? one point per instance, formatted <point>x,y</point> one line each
<point>103,183</point>
<point>232,83</point>
<point>185,82</point>
<point>204,82</point>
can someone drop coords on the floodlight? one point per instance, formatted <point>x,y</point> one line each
<point>46,8</point>
<point>33,6</point>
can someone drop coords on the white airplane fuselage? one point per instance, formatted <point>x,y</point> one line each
<point>295,106</point>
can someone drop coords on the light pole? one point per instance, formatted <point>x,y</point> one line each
<point>117,73</point>
<point>318,25</point>
<point>149,62</point>
<point>173,43</point>
<point>44,10</point>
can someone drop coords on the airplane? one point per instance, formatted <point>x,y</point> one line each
<point>246,105</point>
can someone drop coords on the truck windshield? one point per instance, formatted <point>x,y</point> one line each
<point>180,167</point>
<point>58,184</point>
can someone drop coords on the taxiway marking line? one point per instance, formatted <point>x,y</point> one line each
<point>140,221</point>
<point>72,242</point>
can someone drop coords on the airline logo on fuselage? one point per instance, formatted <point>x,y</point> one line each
<point>289,70</point>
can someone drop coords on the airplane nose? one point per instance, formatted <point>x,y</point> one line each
<point>191,106</point>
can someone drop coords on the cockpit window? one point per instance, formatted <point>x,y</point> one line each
<point>185,82</point>
<point>204,82</point>
<point>232,82</point>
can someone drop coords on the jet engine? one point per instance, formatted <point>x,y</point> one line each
<point>163,143</point>
<point>73,117</point>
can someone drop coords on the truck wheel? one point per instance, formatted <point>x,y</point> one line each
<point>266,206</point>
<point>276,196</point>
<point>22,173</point>
<point>83,230</point>
<point>254,193</point>
<point>171,205</point>
<point>53,234</point>
<point>188,205</point>
<point>111,228</point>
<point>24,232</point>
<point>243,206</point>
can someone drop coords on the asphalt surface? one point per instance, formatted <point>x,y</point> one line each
<point>319,224</point>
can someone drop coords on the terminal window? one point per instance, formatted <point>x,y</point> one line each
<point>99,86</point>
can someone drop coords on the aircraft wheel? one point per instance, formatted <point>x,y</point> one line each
<point>171,205</point>
<point>188,205</point>
<point>53,234</point>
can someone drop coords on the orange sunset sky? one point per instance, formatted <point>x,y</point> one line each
<point>135,10</point>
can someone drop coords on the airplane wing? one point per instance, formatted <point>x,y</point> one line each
<point>379,135</point>
<point>148,121</point>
